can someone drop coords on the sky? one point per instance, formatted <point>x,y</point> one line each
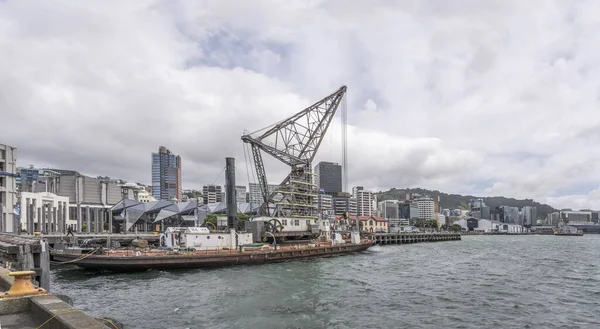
<point>485,98</point>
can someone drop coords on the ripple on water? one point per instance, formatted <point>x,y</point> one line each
<point>479,282</point>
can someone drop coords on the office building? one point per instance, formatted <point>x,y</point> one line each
<point>324,204</point>
<point>328,177</point>
<point>212,193</point>
<point>389,209</point>
<point>409,210</point>
<point>240,194</point>
<point>365,201</point>
<point>426,207</point>
<point>166,175</point>
<point>255,195</point>
<point>529,215</point>
<point>8,187</point>
<point>344,203</point>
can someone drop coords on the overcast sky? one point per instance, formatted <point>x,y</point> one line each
<point>467,96</point>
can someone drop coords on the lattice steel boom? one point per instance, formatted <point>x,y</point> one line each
<point>294,141</point>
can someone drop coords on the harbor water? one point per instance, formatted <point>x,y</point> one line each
<point>479,282</point>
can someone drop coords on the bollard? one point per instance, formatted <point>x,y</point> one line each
<point>22,286</point>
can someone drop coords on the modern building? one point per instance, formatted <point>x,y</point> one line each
<point>409,210</point>
<point>529,215</point>
<point>478,209</point>
<point>426,207</point>
<point>166,175</point>
<point>212,193</point>
<point>389,209</point>
<point>577,216</point>
<point>240,194</point>
<point>553,218</point>
<point>365,201</point>
<point>256,195</point>
<point>324,204</point>
<point>328,177</point>
<point>344,203</point>
<point>8,187</point>
<point>486,225</point>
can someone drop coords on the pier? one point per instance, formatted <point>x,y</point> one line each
<point>406,238</point>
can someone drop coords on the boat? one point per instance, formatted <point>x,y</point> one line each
<point>567,230</point>
<point>186,257</point>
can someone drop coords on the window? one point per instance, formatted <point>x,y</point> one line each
<point>296,222</point>
<point>284,222</point>
<point>307,223</point>
<point>371,222</point>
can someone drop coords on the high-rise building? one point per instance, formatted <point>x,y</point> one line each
<point>212,193</point>
<point>8,187</point>
<point>240,194</point>
<point>529,215</point>
<point>389,209</point>
<point>166,175</point>
<point>324,204</point>
<point>344,202</point>
<point>364,201</point>
<point>426,207</point>
<point>256,195</point>
<point>328,177</point>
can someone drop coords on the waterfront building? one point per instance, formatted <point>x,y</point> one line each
<point>478,209</point>
<point>365,201</point>
<point>553,218</point>
<point>577,216</point>
<point>166,175</point>
<point>486,225</point>
<point>324,204</point>
<point>328,177</point>
<point>409,210</point>
<point>212,193</point>
<point>8,187</point>
<point>426,207</point>
<point>373,224</point>
<point>441,219</point>
<point>31,211</point>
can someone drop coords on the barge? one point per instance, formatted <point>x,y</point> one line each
<point>182,258</point>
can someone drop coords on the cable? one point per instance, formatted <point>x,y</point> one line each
<point>58,314</point>
<point>109,321</point>
<point>213,183</point>
<point>77,259</point>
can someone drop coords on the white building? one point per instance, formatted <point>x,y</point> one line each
<point>240,194</point>
<point>211,193</point>
<point>255,195</point>
<point>486,225</point>
<point>56,212</point>
<point>324,204</point>
<point>441,219</point>
<point>426,208</point>
<point>365,202</point>
<point>8,187</point>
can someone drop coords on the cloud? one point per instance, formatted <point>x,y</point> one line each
<point>495,97</point>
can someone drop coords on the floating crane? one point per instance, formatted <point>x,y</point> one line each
<point>294,141</point>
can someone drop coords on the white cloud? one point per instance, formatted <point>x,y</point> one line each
<point>494,97</point>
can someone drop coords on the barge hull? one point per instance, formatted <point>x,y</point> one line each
<point>182,261</point>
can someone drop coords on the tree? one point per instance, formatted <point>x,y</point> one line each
<point>455,228</point>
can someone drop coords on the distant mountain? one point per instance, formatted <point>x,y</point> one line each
<point>455,201</point>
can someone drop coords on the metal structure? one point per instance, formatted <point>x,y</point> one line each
<point>294,141</point>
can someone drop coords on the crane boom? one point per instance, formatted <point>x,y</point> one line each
<point>294,141</point>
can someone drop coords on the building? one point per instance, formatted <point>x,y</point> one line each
<point>486,225</point>
<point>54,215</point>
<point>240,194</point>
<point>255,193</point>
<point>328,177</point>
<point>577,216</point>
<point>441,219</point>
<point>8,187</point>
<point>166,175</point>
<point>324,204</point>
<point>553,218</point>
<point>212,193</point>
<point>426,207</point>
<point>409,210</point>
<point>37,180</point>
<point>389,209</point>
<point>344,203</point>
<point>373,224</point>
<point>529,215</point>
<point>479,210</point>
<point>365,201</point>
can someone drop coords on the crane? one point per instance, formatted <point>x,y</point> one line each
<point>293,141</point>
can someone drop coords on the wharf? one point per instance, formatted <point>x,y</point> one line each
<point>405,238</point>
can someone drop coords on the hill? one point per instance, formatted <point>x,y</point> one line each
<point>454,201</point>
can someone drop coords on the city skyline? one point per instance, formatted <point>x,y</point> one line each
<point>488,115</point>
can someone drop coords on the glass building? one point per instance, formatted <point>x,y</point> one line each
<point>166,175</point>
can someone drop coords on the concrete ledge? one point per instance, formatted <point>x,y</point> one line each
<point>62,314</point>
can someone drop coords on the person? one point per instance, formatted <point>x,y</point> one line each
<point>70,230</point>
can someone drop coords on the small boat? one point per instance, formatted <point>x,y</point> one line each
<point>185,257</point>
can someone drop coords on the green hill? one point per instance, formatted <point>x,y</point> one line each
<point>454,201</point>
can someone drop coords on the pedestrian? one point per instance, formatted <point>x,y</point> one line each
<point>70,230</point>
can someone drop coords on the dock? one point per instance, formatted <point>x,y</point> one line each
<point>25,298</point>
<point>406,238</point>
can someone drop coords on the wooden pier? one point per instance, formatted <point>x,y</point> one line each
<point>406,238</point>
<point>20,253</point>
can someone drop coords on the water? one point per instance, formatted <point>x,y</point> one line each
<point>479,282</point>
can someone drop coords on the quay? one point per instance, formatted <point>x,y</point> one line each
<point>25,300</point>
<point>406,238</point>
